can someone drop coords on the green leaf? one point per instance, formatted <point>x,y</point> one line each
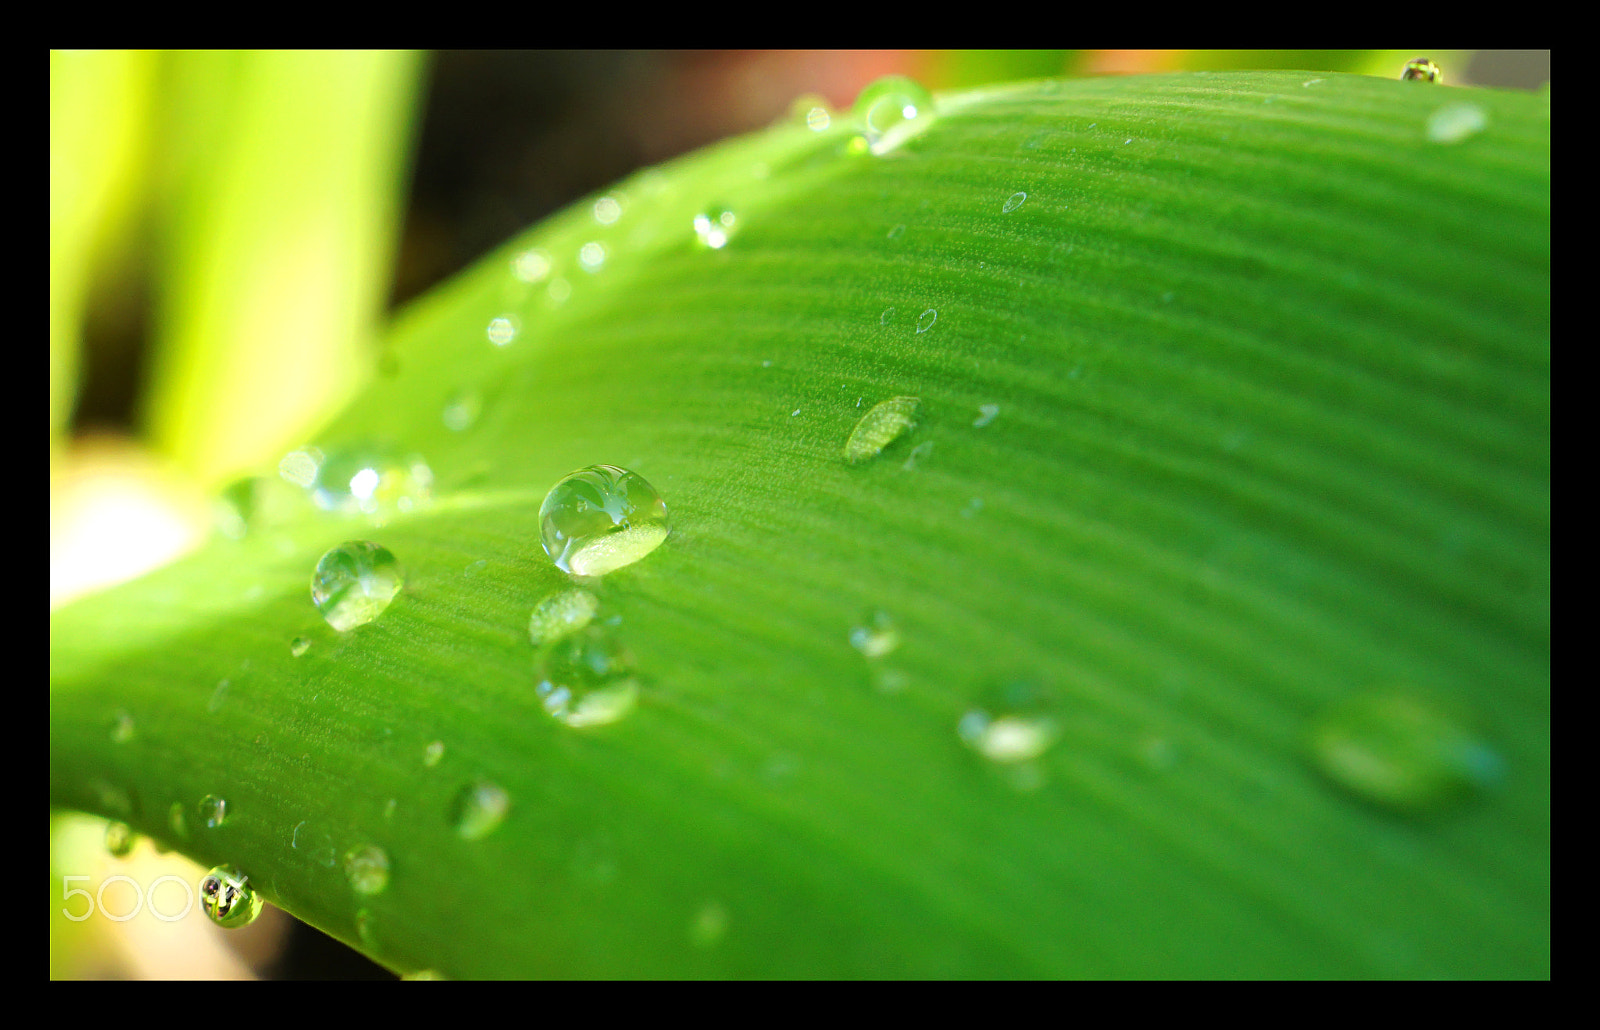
<point>1262,374</point>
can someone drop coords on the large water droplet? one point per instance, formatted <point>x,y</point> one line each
<point>1456,122</point>
<point>369,481</point>
<point>228,898</point>
<point>354,583</point>
<point>714,226</point>
<point>600,518</point>
<point>1406,752</point>
<point>1421,69</point>
<point>478,809</point>
<point>892,110</point>
<point>213,811</point>
<point>886,422</point>
<point>560,614</point>
<point>586,678</point>
<point>367,869</point>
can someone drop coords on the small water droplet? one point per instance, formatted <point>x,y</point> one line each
<point>607,210</point>
<point>1406,752</point>
<point>558,290</point>
<point>228,898</point>
<point>883,424</point>
<point>708,926</point>
<point>587,678</point>
<point>1014,724</point>
<point>531,266</point>
<point>300,467</point>
<point>986,414</point>
<point>177,821</point>
<point>600,518</point>
<point>218,698</point>
<point>1456,122</point>
<point>367,869</point>
<point>793,413</point>
<point>121,727</point>
<point>561,614</point>
<point>502,330</point>
<point>920,451</point>
<point>213,811</point>
<point>972,507</point>
<point>432,754</point>
<point>926,319</point>
<point>592,256</point>
<point>1421,69</point>
<point>714,226</point>
<point>462,410</point>
<point>354,582</point>
<point>888,313</point>
<point>897,232</point>
<point>120,839</point>
<point>892,110</point>
<point>299,646</point>
<point>478,809</point>
<point>1013,202</point>
<point>1311,82</point>
<point>876,635</point>
<point>811,111</point>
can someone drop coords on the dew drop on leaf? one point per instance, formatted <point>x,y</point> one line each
<point>213,811</point>
<point>228,899</point>
<point>890,111</point>
<point>1421,69</point>
<point>600,518</point>
<point>586,678</point>
<point>884,423</point>
<point>478,809</point>
<point>354,583</point>
<point>367,869</point>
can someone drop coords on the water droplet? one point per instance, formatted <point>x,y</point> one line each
<point>558,290</point>
<point>365,928</point>
<point>714,226</point>
<point>592,256</point>
<point>586,678</point>
<point>561,614</point>
<point>793,413</point>
<point>876,635</point>
<point>300,467</point>
<point>607,210</point>
<point>897,232</point>
<point>811,111</point>
<point>354,583</point>
<point>972,507</point>
<point>708,926</point>
<point>371,481</point>
<point>502,330</point>
<point>177,821</point>
<point>892,110</point>
<point>986,414</point>
<point>120,839</point>
<point>920,451</point>
<point>531,266</point>
<point>600,518</point>
<point>462,410</point>
<point>926,319</point>
<point>213,811</point>
<point>478,809</point>
<point>888,313</point>
<point>121,728</point>
<point>1405,752</point>
<point>228,899</point>
<point>299,646</point>
<point>1014,724</point>
<point>1015,201</point>
<point>1421,70</point>
<point>1456,122</point>
<point>885,423</point>
<point>367,869</point>
<point>432,754</point>
<point>1310,82</point>
<point>218,698</point>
